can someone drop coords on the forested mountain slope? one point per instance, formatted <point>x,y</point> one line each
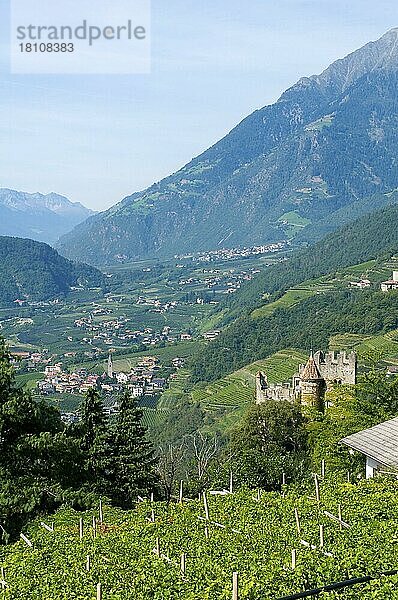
<point>328,144</point>
<point>34,271</point>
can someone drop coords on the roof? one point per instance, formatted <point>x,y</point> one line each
<point>311,371</point>
<point>379,442</point>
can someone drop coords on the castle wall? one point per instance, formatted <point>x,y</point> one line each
<point>337,367</point>
<point>334,367</point>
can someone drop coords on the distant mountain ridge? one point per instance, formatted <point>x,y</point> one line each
<point>33,271</point>
<point>42,217</point>
<point>330,141</point>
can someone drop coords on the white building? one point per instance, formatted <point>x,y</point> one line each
<point>391,284</point>
<point>379,445</point>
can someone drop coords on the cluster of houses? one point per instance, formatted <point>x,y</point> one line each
<point>117,331</point>
<point>31,360</point>
<point>219,282</point>
<point>141,380</point>
<point>391,284</point>
<point>234,253</point>
<point>156,305</point>
<point>385,286</point>
<point>58,381</point>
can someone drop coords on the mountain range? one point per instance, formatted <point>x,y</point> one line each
<point>326,152</point>
<point>40,217</point>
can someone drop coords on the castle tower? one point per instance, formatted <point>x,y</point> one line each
<point>313,386</point>
<point>110,366</point>
<point>261,387</point>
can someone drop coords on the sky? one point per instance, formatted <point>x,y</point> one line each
<point>99,138</point>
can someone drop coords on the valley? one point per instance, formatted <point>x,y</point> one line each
<point>165,310</point>
<point>171,311</point>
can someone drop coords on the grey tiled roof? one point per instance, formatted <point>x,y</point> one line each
<point>379,442</point>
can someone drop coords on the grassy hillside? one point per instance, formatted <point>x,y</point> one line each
<point>309,324</point>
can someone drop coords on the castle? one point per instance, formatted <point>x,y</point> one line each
<point>309,385</point>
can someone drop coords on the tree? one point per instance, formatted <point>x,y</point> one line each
<point>172,460</point>
<point>37,459</point>
<point>270,440</point>
<point>92,435</point>
<point>133,466</point>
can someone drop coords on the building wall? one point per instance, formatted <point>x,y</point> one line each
<point>371,467</point>
<point>337,367</point>
<point>334,367</point>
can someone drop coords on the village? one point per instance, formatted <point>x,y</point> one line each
<point>117,331</point>
<point>145,380</point>
<point>235,253</point>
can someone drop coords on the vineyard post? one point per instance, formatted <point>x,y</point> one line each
<point>317,488</point>
<point>152,516</point>
<point>296,514</point>
<point>183,563</point>
<point>258,495</point>
<point>151,496</point>
<point>235,586</point>
<point>321,536</point>
<point>283,478</point>
<point>88,563</point>
<point>340,517</point>
<point>81,528</point>
<point>294,556</point>
<point>348,477</point>
<point>231,483</point>
<point>3,577</point>
<point>101,514</point>
<point>323,468</point>
<point>181,491</point>
<point>99,591</point>
<point>94,526</point>
<point>206,506</point>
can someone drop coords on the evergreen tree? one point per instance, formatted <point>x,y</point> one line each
<point>134,464</point>
<point>92,433</point>
<point>37,460</point>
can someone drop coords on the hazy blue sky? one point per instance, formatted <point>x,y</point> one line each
<point>99,138</point>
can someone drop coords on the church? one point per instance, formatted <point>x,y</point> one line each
<point>309,386</point>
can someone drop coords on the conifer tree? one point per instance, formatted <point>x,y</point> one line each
<point>92,432</point>
<point>134,463</point>
<point>36,457</point>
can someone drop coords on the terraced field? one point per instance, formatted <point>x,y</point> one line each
<point>176,390</point>
<point>236,390</point>
<point>373,270</point>
<point>291,298</point>
<point>372,350</point>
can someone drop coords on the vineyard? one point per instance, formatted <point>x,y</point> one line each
<point>377,349</point>
<point>248,545</point>
<point>237,390</point>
